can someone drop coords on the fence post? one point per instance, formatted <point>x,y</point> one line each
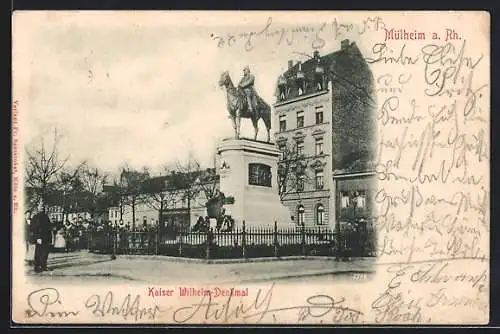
<point>303,239</point>
<point>276,244</point>
<point>157,240</point>
<point>113,246</point>
<point>209,243</point>
<point>180,242</point>
<point>338,248</point>
<point>244,241</point>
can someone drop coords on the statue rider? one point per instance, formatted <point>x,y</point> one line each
<point>247,85</point>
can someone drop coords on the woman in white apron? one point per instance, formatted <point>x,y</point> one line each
<point>60,241</point>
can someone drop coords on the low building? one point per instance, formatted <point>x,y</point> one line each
<point>166,200</point>
<point>355,197</point>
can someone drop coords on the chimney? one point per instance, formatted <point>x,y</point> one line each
<point>344,44</point>
<point>290,64</point>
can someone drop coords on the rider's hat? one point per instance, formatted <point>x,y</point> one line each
<point>247,68</point>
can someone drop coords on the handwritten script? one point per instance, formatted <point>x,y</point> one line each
<point>322,308</point>
<point>317,34</point>
<point>432,170</point>
<point>422,79</point>
<point>48,303</point>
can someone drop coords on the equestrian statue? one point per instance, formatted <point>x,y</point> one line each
<point>244,102</point>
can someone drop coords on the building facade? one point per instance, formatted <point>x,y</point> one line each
<point>56,214</point>
<point>325,127</point>
<point>305,134</point>
<point>163,202</point>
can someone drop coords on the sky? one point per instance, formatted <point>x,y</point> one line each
<point>142,89</point>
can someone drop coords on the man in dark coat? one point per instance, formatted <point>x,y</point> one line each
<point>247,85</point>
<point>41,227</point>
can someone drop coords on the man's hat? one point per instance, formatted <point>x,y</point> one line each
<point>247,68</point>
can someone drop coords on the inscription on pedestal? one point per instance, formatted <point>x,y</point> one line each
<point>259,175</point>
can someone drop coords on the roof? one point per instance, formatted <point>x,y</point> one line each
<point>346,63</point>
<point>353,104</point>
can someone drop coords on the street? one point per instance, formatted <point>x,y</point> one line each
<point>82,267</point>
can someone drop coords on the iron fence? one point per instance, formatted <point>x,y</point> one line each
<point>244,242</point>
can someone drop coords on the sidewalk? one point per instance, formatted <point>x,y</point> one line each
<point>157,270</point>
<point>70,259</point>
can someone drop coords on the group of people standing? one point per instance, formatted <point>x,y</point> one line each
<point>42,237</point>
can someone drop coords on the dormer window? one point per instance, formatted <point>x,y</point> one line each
<point>319,72</point>
<point>282,88</point>
<point>300,78</point>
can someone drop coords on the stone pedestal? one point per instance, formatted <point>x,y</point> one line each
<point>248,172</point>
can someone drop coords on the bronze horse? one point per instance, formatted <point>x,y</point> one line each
<point>238,107</point>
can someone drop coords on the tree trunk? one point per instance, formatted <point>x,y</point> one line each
<point>121,209</point>
<point>160,226</point>
<point>133,214</point>
<point>189,212</point>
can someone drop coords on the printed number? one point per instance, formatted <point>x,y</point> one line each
<point>359,276</point>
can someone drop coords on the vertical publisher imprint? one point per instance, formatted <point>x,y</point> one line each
<point>15,155</point>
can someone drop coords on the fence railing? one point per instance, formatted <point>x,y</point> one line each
<point>242,242</point>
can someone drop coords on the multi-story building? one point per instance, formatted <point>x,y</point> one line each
<point>325,117</point>
<point>114,215</point>
<point>56,214</point>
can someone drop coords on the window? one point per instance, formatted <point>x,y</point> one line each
<point>282,148</point>
<point>319,115</point>
<point>300,148</point>
<point>282,123</point>
<point>144,220</point>
<point>300,183</point>
<point>319,179</point>
<point>300,119</point>
<point>361,199</point>
<point>344,199</point>
<point>300,215</point>
<point>319,146</point>
<point>320,214</point>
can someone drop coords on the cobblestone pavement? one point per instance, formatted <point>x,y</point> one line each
<point>100,268</point>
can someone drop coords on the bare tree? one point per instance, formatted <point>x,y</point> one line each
<point>93,181</point>
<point>292,173</point>
<point>41,169</point>
<point>116,193</point>
<point>133,183</point>
<point>159,193</point>
<point>70,187</point>
<point>186,177</point>
<point>208,182</point>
